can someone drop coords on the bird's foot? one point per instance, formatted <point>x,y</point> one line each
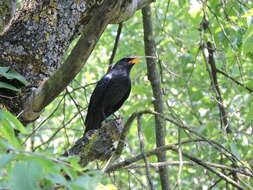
<point>112,117</point>
<point>117,116</point>
<point>109,118</point>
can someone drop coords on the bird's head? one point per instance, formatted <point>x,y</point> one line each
<point>126,63</point>
<point>131,60</point>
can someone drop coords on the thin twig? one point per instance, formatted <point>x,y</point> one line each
<point>58,130</point>
<point>141,138</point>
<point>213,75</point>
<point>180,158</point>
<point>116,42</point>
<point>127,125</point>
<point>77,107</point>
<point>233,47</point>
<point>211,142</point>
<point>137,180</point>
<point>150,153</point>
<point>40,125</point>
<point>215,183</point>
<point>218,173</point>
<point>177,163</point>
<point>234,80</point>
<point>80,87</point>
<point>174,148</point>
<point>63,122</point>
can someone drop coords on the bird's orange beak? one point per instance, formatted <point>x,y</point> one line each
<point>135,60</point>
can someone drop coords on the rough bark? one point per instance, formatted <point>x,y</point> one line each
<point>72,66</point>
<point>97,144</point>
<point>7,10</point>
<point>215,85</point>
<point>34,43</point>
<point>153,76</point>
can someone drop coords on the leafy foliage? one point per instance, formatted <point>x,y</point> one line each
<point>189,98</point>
<point>22,169</point>
<point>11,74</point>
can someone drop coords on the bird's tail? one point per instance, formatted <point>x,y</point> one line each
<point>92,123</point>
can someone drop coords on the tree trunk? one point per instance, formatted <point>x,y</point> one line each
<point>154,79</point>
<point>7,10</point>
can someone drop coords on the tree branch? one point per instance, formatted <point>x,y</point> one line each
<point>116,43</point>
<point>234,80</point>
<point>149,153</point>
<point>174,148</point>
<point>51,88</point>
<point>127,125</point>
<point>115,46</point>
<point>5,13</point>
<point>177,163</point>
<point>216,87</point>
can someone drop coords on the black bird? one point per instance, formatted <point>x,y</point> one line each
<point>110,93</point>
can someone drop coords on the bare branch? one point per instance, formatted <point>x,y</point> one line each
<point>77,107</point>
<point>213,75</point>
<point>149,153</point>
<point>115,46</point>
<point>177,163</point>
<point>234,80</point>
<point>174,148</point>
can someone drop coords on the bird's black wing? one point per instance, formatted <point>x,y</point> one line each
<point>99,91</point>
<point>120,103</point>
<point>116,106</point>
<point>95,114</point>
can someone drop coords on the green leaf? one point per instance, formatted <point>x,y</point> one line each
<point>8,86</point>
<point>249,115</point>
<point>8,134</point>
<point>249,84</point>
<point>12,74</point>
<point>48,165</point>
<point>26,175</point>
<point>56,179</point>
<point>148,128</point>
<point>71,172</point>
<point>196,94</point>
<point>12,121</point>
<point>6,129</point>
<point>4,144</point>
<point>5,159</point>
<point>3,70</point>
<point>249,13</point>
<point>235,150</point>
<point>247,44</point>
<point>89,182</point>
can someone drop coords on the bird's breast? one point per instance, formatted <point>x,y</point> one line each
<point>118,88</point>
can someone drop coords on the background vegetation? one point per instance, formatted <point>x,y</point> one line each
<point>182,30</point>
